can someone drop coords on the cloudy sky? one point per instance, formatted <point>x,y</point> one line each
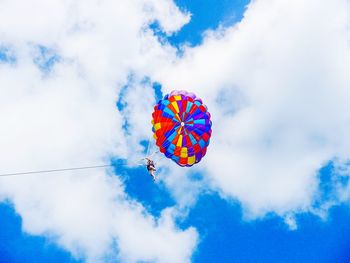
<point>78,82</point>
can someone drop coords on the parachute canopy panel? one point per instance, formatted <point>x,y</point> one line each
<point>182,127</point>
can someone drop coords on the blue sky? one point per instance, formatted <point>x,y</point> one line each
<point>207,14</point>
<point>224,233</point>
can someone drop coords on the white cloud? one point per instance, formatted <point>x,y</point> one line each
<point>67,117</point>
<point>167,13</point>
<point>135,246</point>
<point>276,85</point>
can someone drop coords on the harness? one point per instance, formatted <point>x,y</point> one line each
<point>150,165</point>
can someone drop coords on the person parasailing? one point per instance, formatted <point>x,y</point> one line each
<point>151,168</point>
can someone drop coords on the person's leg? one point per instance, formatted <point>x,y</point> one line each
<point>152,174</point>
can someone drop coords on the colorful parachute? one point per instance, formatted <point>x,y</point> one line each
<point>182,127</point>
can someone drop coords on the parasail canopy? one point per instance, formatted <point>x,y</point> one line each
<point>182,127</point>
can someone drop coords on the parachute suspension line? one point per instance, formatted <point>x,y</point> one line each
<point>58,170</point>
<point>149,145</point>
